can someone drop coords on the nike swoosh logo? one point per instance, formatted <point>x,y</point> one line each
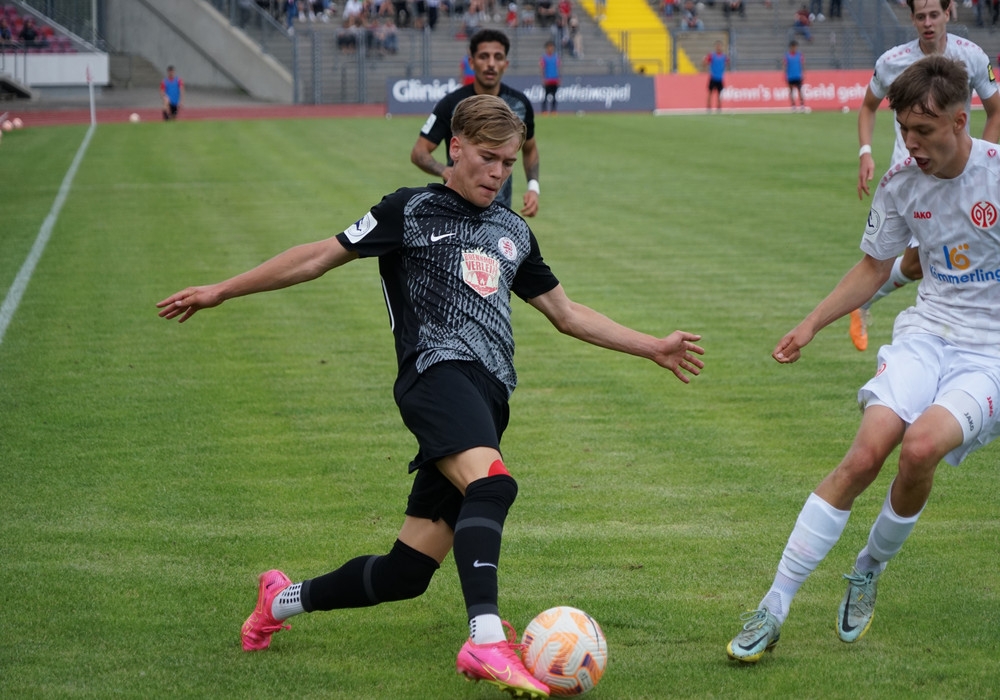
<point>843,624</point>
<point>480,564</point>
<point>504,675</point>
<point>435,238</point>
<point>751,645</point>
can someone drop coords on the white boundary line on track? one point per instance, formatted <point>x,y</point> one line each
<point>16,291</point>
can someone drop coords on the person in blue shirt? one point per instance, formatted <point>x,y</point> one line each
<point>716,62</point>
<point>172,92</point>
<point>795,64</point>
<point>549,63</point>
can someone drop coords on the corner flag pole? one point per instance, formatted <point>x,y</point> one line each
<point>90,89</point>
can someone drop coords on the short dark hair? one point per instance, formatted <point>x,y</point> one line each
<point>945,4</point>
<point>930,84</point>
<point>486,35</point>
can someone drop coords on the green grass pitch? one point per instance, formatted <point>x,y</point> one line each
<point>149,470</point>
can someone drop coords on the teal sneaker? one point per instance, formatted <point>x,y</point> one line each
<point>857,609</point>
<point>760,633</point>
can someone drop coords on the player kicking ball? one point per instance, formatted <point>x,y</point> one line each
<point>449,259</point>
<point>936,389</point>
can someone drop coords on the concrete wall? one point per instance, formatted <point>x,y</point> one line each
<point>56,69</point>
<point>206,51</point>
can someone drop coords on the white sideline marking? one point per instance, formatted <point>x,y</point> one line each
<point>16,291</point>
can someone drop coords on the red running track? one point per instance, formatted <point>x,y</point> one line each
<point>61,117</point>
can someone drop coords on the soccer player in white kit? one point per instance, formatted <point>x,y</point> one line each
<point>930,19</point>
<point>936,388</point>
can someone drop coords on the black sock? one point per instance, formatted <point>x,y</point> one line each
<point>478,533</point>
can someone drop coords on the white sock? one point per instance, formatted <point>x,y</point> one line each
<point>288,603</point>
<point>896,280</point>
<point>886,537</point>
<point>816,530</point>
<point>486,629</point>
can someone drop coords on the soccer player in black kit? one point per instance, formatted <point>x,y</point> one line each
<point>488,49</point>
<point>449,258</point>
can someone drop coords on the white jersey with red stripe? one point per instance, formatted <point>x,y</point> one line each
<point>897,59</point>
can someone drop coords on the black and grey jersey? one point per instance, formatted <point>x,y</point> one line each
<point>448,269</point>
<point>437,128</point>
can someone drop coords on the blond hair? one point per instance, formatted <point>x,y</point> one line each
<point>487,120</point>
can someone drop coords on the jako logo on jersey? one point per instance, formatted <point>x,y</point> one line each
<point>989,402</point>
<point>881,369</point>
<point>361,228</point>
<point>921,215</point>
<point>507,248</point>
<point>955,258</point>
<point>481,272</point>
<point>983,214</point>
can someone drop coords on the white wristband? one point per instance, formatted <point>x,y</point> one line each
<point>533,187</point>
<point>865,149</point>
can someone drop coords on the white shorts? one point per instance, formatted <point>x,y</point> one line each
<point>917,369</point>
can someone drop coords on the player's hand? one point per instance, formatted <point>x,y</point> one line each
<point>678,354</point>
<point>187,301</point>
<point>530,204</point>
<point>866,171</point>
<point>789,348</point>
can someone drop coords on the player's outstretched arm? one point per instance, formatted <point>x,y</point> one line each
<point>856,287</point>
<point>676,352</point>
<point>299,264</point>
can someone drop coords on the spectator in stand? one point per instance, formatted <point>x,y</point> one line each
<point>565,9</point>
<point>668,7</point>
<point>172,92</point>
<point>511,19</point>
<point>795,64</point>
<point>733,6</point>
<point>470,20</point>
<point>690,21</point>
<point>575,37</point>
<point>352,8</point>
<point>433,12</point>
<point>834,9</point>
<point>546,12</point>
<point>528,17</point>
<point>5,35</point>
<point>549,64</point>
<point>291,12</point>
<point>801,24</point>
<point>30,35</point>
<point>386,39</point>
<point>716,62</point>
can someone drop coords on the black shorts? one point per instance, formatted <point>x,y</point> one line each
<point>714,85</point>
<point>794,84</point>
<point>451,407</point>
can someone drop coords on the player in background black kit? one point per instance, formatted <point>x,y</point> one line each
<point>488,50</point>
<point>449,258</point>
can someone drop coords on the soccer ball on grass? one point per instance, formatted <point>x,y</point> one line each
<point>565,649</point>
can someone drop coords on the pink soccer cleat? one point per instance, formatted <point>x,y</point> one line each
<point>500,665</point>
<point>257,630</point>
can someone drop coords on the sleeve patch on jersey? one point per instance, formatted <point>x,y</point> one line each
<point>876,217</point>
<point>993,78</point>
<point>426,128</point>
<point>361,228</point>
